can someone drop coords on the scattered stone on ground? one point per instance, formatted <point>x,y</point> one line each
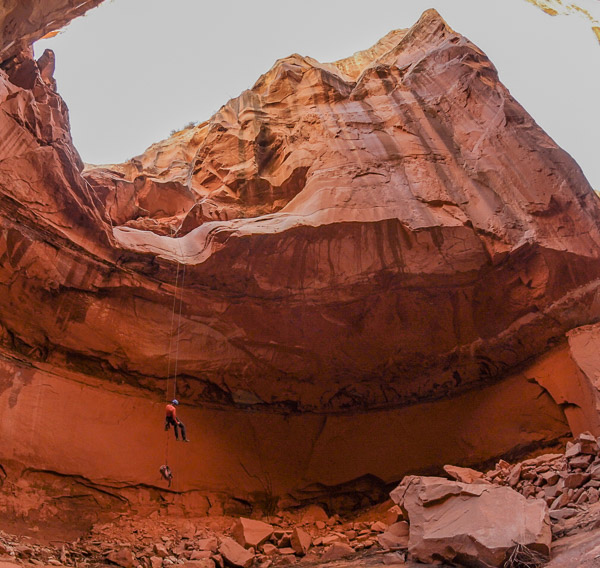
<point>568,485</point>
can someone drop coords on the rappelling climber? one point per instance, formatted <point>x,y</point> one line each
<point>172,420</point>
<point>166,472</point>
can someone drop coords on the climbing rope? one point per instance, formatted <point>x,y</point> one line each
<point>178,332</point>
<point>170,350</point>
<point>174,309</point>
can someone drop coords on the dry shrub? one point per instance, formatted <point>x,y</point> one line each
<point>522,556</point>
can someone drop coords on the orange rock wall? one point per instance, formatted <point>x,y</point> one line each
<point>369,256</point>
<point>385,231</point>
<point>24,21</point>
<point>112,435</point>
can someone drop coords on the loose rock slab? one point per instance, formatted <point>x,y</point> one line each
<point>301,541</point>
<point>469,524</point>
<point>235,554</point>
<point>250,532</point>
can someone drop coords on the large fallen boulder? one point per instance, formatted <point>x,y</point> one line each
<point>472,524</point>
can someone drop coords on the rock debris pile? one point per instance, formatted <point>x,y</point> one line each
<point>512,510</point>
<point>310,536</point>
<point>485,517</point>
<point>566,482</point>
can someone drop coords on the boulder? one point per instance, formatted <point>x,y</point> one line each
<point>582,461</point>
<point>200,554</point>
<point>573,450</point>
<point>588,443</point>
<point>269,549</point>
<point>301,541</point>
<point>235,554</point>
<point>393,515</point>
<point>515,475</point>
<point>378,526</point>
<point>200,563</point>
<point>160,550</point>
<point>331,539</point>
<point>395,537</point>
<point>575,480</point>
<point>287,551</point>
<point>337,551</point>
<point>470,523</point>
<point>464,474</point>
<point>550,477</point>
<point>251,533</point>
<point>208,544</point>
<point>314,513</point>
<point>122,557</point>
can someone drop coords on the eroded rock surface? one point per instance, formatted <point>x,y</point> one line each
<point>384,244</point>
<point>470,524</point>
<point>423,235</point>
<point>24,21</point>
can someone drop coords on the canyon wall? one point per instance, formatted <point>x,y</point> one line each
<point>357,270</point>
<point>24,21</point>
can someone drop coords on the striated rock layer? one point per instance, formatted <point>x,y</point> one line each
<point>357,270</point>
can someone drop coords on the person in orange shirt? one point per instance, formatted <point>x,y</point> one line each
<point>172,420</point>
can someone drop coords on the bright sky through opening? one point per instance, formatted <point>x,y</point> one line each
<point>133,70</point>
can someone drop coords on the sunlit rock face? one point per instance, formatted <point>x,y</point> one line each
<point>359,269</point>
<point>389,228</point>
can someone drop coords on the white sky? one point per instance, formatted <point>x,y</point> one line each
<point>133,70</point>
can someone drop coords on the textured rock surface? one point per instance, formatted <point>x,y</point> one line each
<point>357,247</point>
<point>471,524</point>
<point>24,21</point>
<point>391,162</point>
<point>414,245</point>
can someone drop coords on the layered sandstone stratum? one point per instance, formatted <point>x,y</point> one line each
<point>357,270</point>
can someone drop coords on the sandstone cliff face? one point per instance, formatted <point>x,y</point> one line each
<point>384,228</point>
<point>368,257</point>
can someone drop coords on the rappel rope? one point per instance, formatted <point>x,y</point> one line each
<point>178,332</point>
<point>169,360</point>
<point>172,331</point>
